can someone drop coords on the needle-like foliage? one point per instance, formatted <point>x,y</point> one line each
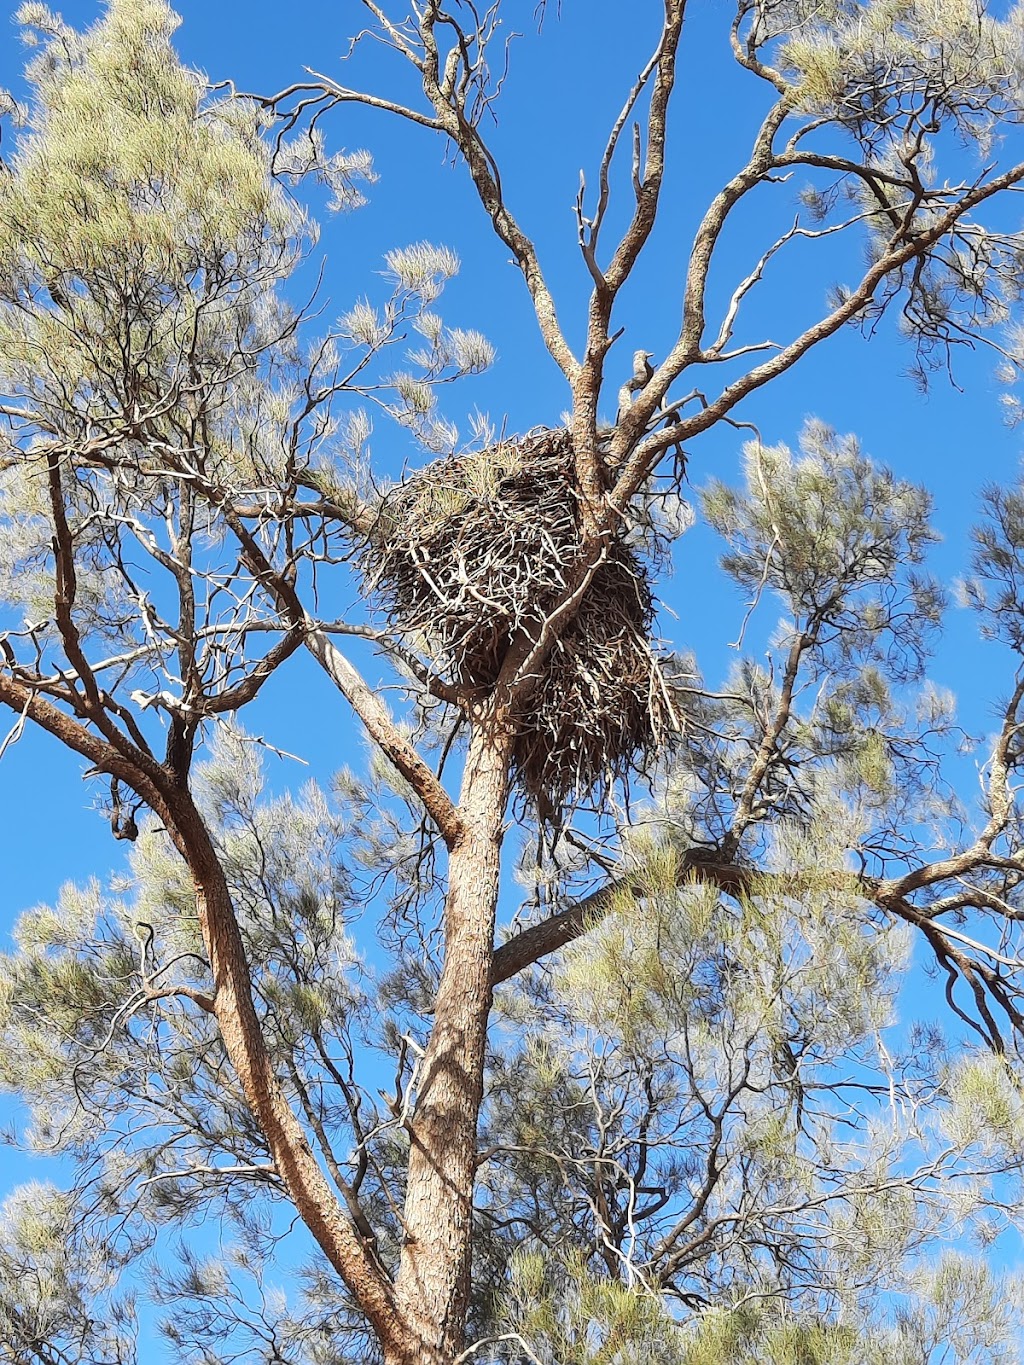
<point>572,1027</point>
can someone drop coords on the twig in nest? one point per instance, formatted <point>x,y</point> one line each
<point>474,549</point>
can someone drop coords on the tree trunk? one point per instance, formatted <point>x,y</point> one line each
<point>434,1274</point>
<point>243,1041</point>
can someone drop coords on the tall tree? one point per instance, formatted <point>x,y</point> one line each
<point>688,1140</point>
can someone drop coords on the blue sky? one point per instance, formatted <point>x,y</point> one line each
<point>558,103</point>
<point>560,99</point>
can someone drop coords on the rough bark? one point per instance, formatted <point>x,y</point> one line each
<point>434,1273</point>
<point>243,1041</point>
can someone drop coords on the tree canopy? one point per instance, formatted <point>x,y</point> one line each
<point>571,1026</point>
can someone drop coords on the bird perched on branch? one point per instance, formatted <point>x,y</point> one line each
<point>643,370</point>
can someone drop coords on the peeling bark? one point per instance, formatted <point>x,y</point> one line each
<point>434,1274</point>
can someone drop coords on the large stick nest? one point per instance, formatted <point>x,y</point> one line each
<point>472,550</point>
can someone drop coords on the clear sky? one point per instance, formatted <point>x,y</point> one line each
<point>559,101</point>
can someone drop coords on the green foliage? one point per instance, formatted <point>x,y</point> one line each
<point>707,1135</point>
<point>56,1292</point>
<point>569,1316</point>
<point>691,1108</point>
<point>89,1011</point>
<point>831,533</point>
<point>149,218</point>
<point>995,589</point>
<point>953,55</point>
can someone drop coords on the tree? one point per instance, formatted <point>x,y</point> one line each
<point>686,1138</point>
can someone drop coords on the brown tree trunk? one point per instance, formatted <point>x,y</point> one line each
<point>243,1041</point>
<point>434,1274</point>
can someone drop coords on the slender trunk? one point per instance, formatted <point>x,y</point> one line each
<point>434,1274</point>
<point>243,1041</point>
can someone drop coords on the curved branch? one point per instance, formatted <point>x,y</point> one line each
<point>899,253</point>
<point>698,866</point>
<point>386,734</point>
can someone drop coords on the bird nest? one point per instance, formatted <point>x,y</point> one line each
<point>472,550</point>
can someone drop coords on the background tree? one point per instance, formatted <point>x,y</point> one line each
<point>694,1136</point>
